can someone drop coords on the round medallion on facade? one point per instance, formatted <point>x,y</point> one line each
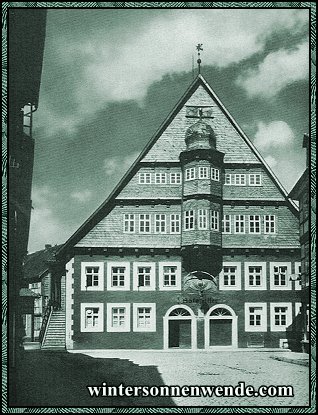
<point>200,135</point>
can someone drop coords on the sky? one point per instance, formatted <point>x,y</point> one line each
<point>111,76</point>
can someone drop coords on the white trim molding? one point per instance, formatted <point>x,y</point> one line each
<point>288,316</point>
<point>232,317</point>
<point>100,275</point>
<point>100,316</point>
<point>152,274</point>
<point>69,305</point>
<point>238,276</point>
<point>281,276</point>
<point>297,283</point>
<point>151,327</point>
<point>126,273</point>
<point>190,316</point>
<point>263,276</point>
<point>125,327</point>
<point>177,286</point>
<point>261,312</point>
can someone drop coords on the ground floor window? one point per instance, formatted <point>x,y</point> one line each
<point>118,317</point>
<point>255,317</point>
<point>281,316</point>
<point>92,317</point>
<point>144,317</point>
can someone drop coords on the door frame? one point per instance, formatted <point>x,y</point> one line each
<point>232,317</point>
<point>167,318</point>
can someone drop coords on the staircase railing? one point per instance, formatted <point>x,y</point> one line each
<point>45,320</point>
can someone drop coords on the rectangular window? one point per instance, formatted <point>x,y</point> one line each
<point>239,179</point>
<point>215,220</point>
<point>269,224</point>
<point>92,317</point>
<point>144,223</point>
<point>202,219</point>
<point>175,178</point>
<point>254,224</point>
<point>204,173</point>
<point>255,179</point>
<point>144,317</point>
<point>190,174</point>
<point>144,178</point>
<point>160,178</point>
<point>215,174</point>
<point>230,277</point>
<point>160,223</point>
<point>226,224</point>
<point>298,276</point>
<point>169,276</point>
<point>228,179</point>
<point>189,220</point>
<point>118,317</point>
<point>280,276</point>
<point>255,317</point>
<point>281,316</point>
<point>255,276</point>
<point>175,223</point>
<point>118,276</point>
<point>129,223</point>
<point>144,276</point>
<point>92,276</point>
<point>239,223</point>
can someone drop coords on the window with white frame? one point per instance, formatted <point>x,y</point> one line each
<point>269,224</point>
<point>175,178</point>
<point>160,223</point>
<point>255,179</point>
<point>204,172</point>
<point>239,224</point>
<point>144,276</point>
<point>254,224</point>
<point>92,317</point>
<point>175,223</point>
<point>118,276</point>
<point>215,220</point>
<point>239,179</point>
<point>255,275</point>
<point>202,219</point>
<point>144,223</point>
<point>129,223</point>
<point>230,277</point>
<point>144,317</point>
<point>226,224</point>
<point>160,178</point>
<point>215,174</point>
<point>281,316</point>
<point>255,317</point>
<point>92,276</point>
<point>228,179</point>
<point>190,173</point>
<point>144,178</point>
<point>169,276</point>
<point>298,276</point>
<point>297,308</point>
<point>118,317</point>
<point>280,276</point>
<point>189,220</point>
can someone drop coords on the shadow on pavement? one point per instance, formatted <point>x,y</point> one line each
<point>52,378</point>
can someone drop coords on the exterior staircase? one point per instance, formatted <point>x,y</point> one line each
<point>54,337</point>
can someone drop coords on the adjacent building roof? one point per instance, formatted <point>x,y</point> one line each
<point>26,292</point>
<point>37,264</point>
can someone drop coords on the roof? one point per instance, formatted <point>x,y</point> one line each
<point>302,183</point>
<point>108,204</point>
<point>26,292</point>
<point>36,264</point>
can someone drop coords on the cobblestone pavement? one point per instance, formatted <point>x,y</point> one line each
<point>222,368</point>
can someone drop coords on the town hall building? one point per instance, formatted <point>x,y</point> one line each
<point>194,249</point>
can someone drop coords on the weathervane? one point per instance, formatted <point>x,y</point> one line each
<point>199,47</point>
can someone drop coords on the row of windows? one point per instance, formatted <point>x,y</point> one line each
<point>144,276</point>
<point>144,317</point>
<point>158,223</point>
<point>201,172</point>
<point>118,317</point>
<point>281,316</point>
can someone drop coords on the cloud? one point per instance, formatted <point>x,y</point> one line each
<point>278,69</point>
<point>276,134</point>
<point>119,60</point>
<point>118,165</point>
<point>271,161</point>
<point>82,196</point>
<point>45,227</point>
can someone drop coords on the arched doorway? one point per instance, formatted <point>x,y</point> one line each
<point>220,327</point>
<point>180,328</point>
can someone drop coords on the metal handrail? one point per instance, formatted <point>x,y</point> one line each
<point>46,317</point>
